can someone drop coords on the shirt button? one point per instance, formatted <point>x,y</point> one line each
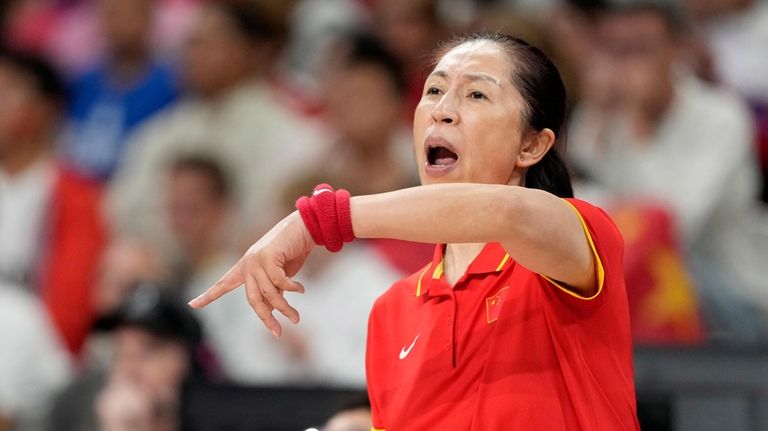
<point>447,346</point>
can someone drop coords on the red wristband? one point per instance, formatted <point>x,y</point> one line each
<point>327,217</point>
<point>324,204</point>
<point>344,215</point>
<point>307,214</point>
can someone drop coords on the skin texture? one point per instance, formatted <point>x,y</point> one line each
<point>470,105</point>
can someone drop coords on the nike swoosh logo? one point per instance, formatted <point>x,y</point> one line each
<point>404,352</point>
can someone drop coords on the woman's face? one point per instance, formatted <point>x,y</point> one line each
<point>468,126</point>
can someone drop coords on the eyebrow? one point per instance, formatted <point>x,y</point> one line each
<point>470,76</point>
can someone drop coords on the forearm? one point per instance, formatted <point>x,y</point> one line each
<point>445,213</point>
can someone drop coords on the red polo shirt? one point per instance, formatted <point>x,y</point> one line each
<point>505,348</point>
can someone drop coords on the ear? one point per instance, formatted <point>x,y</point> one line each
<point>534,147</point>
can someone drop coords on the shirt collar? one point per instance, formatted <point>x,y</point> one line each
<point>492,258</point>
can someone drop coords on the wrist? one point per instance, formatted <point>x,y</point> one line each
<point>326,216</point>
<point>295,222</point>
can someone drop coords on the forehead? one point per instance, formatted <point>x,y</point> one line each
<point>477,57</point>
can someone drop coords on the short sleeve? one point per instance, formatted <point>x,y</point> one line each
<point>607,246</point>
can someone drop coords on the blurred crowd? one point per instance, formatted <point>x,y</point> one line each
<point>145,144</point>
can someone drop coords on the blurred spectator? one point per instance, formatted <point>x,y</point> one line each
<point>231,115</point>
<point>355,416</point>
<point>348,283</point>
<point>157,343</point>
<point>660,135</point>
<point>364,89</point>
<point>109,101</point>
<point>198,205</point>
<point>63,33</point>
<point>33,363</point>
<point>26,24</point>
<point>570,26</point>
<point>315,25</point>
<point>49,218</point>
<point>125,264</point>
<point>737,35</point>
<point>412,29</point>
<point>734,37</point>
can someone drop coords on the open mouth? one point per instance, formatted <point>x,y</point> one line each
<point>441,156</point>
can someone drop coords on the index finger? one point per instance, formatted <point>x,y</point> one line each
<point>227,283</point>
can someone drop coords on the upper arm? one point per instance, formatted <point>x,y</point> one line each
<point>547,235</point>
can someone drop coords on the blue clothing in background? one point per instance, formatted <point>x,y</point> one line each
<point>103,114</point>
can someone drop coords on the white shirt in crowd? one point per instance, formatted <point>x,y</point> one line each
<point>24,203</point>
<point>700,163</point>
<point>33,364</point>
<point>334,312</point>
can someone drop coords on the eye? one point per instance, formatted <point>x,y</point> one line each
<point>432,91</point>
<point>477,95</point>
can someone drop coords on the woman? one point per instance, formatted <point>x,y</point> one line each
<point>521,320</point>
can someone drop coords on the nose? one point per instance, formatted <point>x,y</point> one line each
<point>445,112</point>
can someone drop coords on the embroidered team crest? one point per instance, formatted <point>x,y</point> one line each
<point>493,305</point>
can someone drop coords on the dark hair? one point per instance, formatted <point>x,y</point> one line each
<point>208,167</point>
<point>539,82</point>
<point>366,49</point>
<point>44,76</point>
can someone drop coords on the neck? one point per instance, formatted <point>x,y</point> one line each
<point>457,259</point>
<point>17,162</point>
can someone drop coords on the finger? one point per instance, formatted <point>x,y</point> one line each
<point>227,283</point>
<point>260,306</point>
<point>273,295</point>
<point>281,281</point>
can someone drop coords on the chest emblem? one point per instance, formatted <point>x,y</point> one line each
<point>405,351</point>
<point>493,305</point>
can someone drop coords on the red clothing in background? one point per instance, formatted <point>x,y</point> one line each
<point>74,240</point>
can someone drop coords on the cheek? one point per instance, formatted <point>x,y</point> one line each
<point>497,153</point>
